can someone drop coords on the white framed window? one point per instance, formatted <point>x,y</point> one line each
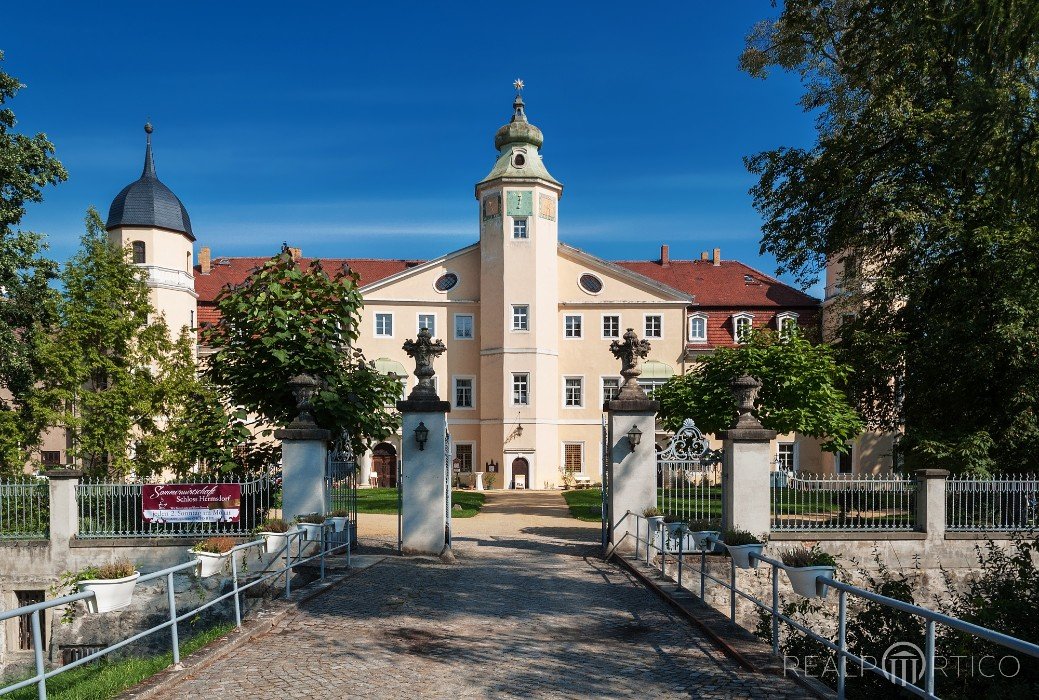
<point>742,323</point>
<point>611,386</point>
<point>651,385</point>
<point>465,396</point>
<point>520,388</point>
<point>464,455</point>
<point>463,326</point>
<point>428,321</point>
<point>572,326</point>
<point>519,228</point>
<point>698,328</point>
<point>384,325</point>
<point>520,317</point>
<point>573,392</point>
<point>786,456</point>
<point>611,326</point>
<point>786,323</point>
<point>573,457</point>
<point>654,326</point>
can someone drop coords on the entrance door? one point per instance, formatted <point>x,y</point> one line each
<point>520,473</point>
<point>384,465</point>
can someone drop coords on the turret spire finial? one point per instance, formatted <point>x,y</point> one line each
<point>149,162</point>
<point>518,115</point>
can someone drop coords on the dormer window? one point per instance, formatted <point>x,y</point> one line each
<point>741,326</point>
<point>519,158</point>
<point>786,323</point>
<point>138,252</point>
<point>698,328</point>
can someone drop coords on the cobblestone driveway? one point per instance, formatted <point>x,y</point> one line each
<point>528,611</point>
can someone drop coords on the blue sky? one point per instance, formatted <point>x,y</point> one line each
<point>360,130</point>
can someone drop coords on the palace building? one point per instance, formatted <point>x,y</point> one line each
<point>527,319</point>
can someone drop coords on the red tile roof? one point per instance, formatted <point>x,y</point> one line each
<point>226,271</point>
<point>729,284</point>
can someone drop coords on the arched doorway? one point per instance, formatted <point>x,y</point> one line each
<point>384,465</point>
<point>520,473</point>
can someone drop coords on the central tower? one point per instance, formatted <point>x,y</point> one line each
<point>519,349</point>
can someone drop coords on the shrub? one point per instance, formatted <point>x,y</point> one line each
<point>735,538</point>
<point>803,556</point>
<point>273,525</point>
<point>703,525</point>
<point>651,512</point>
<point>311,519</point>
<point>215,545</point>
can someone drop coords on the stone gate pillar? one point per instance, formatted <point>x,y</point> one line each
<point>630,433</point>
<point>746,465</point>
<point>424,459</point>
<point>304,454</point>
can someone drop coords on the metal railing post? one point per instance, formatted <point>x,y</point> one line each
<point>775,611</point>
<point>324,543</point>
<point>842,641</point>
<point>929,678</point>
<point>234,578</point>
<point>703,573</point>
<point>681,539</point>
<point>37,650</point>
<point>732,589</point>
<point>171,600</point>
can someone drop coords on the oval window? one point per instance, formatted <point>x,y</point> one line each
<point>520,160</point>
<point>590,283</point>
<point>446,282</point>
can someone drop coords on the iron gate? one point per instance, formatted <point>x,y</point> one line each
<point>689,484</point>
<point>341,476</point>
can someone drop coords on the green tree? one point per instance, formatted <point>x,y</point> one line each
<point>102,357</point>
<point>922,181</point>
<point>285,320</point>
<point>803,389</point>
<point>27,165</point>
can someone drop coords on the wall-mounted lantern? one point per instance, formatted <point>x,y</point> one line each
<point>421,435</point>
<point>634,437</point>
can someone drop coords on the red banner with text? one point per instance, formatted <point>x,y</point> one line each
<point>192,503</point>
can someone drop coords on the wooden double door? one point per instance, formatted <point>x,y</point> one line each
<point>384,465</point>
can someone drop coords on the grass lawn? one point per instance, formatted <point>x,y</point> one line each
<point>107,679</point>
<point>585,504</point>
<point>384,502</point>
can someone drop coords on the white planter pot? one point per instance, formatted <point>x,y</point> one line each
<point>275,541</point>
<point>687,540</point>
<point>211,564</point>
<point>701,541</point>
<point>673,528</point>
<point>740,554</point>
<point>804,579</point>
<point>311,531</point>
<point>109,593</point>
<point>340,523</point>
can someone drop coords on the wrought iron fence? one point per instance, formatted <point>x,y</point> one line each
<point>24,508</point>
<point>109,509</point>
<point>689,476</point>
<point>843,502</point>
<point>341,483</point>
<point>1003,503</point>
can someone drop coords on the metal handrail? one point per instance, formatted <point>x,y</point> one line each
<point>175,618</point>
<point>931,617</point>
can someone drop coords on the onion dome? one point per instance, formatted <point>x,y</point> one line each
<point>517,144</point>
<point>518,130</point>
<point>148,202</point>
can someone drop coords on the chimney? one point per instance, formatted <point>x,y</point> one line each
<point>204,264</point>
<point>296,253</point>
<point>665,256</point>
<point>705,255</point>
<point>717,257</point>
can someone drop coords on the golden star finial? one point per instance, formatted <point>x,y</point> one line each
<point>518,84</point>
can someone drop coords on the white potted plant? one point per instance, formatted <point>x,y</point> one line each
<point>673,523</point>
<point>700,530</point>
<point>311,525</point>
<point>740,544</point>
<point>339,518</point>
<point>655,519</point>
<point>805,566</point>
<point>275,533</point>
<point>213,554</point>
<point>112,585</point>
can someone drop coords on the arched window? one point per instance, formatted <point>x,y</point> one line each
<point>138,252</point>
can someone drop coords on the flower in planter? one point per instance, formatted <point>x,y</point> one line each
<point>112,585</point>
<point>274,525</point>
<point>215,545</point>
<point>651,513</point>
<point>339,518</point>
<point>804,566</point>
<point>311,524</point>
<point>213,554</point>
<point>740,544</point>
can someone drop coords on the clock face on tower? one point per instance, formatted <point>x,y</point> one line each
<point>492,206</point>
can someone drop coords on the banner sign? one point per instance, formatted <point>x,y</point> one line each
<point>192,503</point>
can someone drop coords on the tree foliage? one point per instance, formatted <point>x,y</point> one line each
<point>803,389</point>
<point>285,320</point>
<point>924,183</point>
<point>27,166</point>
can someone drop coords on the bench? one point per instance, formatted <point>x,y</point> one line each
<point>582,481</point>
